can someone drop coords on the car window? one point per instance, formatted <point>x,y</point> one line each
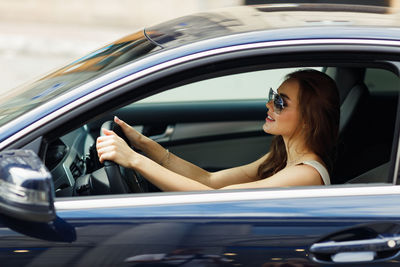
<point>30,96</point>
<point>355,148</point>
<point>380,80</point>
<point>218,124</point>
<point>367,145</point>
<point>249,85</point>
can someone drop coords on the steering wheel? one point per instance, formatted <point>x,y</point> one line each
<point>110,178</point>
<point>121,180</point>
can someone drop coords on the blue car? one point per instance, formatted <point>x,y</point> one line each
<point>198,86</point>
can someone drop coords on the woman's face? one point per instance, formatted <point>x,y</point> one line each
<point>286,122</point>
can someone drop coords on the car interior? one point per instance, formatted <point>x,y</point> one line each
<point>214,119</point>
<point>366,135</point>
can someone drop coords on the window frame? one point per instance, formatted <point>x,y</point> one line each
<point>136,85</point>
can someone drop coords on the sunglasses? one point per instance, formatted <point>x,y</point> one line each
<point>279,103</point>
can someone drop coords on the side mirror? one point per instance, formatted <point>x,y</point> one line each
<point>26,187</point>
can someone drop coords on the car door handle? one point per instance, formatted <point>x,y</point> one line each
<point>165,136</point>
<point>378,248</point>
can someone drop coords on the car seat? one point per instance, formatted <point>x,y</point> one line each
<point>353,101</point>
<point>352,91</point>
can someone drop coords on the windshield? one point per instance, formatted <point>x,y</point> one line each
<point>25,98</point>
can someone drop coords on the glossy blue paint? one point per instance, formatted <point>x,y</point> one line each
<point>248,233</point>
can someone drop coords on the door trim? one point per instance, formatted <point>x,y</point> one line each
<point>150,199</point>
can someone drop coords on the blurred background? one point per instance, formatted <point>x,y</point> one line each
<point>38,36</point>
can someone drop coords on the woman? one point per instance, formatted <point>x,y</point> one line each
<point>303,116</point>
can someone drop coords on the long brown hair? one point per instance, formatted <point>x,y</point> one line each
<point>319,109</point>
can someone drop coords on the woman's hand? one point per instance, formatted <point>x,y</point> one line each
<point>133,136</point>
<point>152,149</point>
<point>114,148</point>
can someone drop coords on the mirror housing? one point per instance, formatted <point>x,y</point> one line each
<point>26,187</point>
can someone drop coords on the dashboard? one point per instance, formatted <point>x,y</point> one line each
<point>70,157</point>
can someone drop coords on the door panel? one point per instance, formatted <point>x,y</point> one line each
<point>277,226</point>
<point>222,154</point>
<point>212,134</point>
<point>249,233</point>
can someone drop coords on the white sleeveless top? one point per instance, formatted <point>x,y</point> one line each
<point>321,169</point>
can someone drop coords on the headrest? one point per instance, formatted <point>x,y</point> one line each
<point>346,79</point>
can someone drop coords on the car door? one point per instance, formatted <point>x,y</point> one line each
<point>351,225</point>
<point>304,227</point>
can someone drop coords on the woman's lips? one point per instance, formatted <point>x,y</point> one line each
<point>269,118</point>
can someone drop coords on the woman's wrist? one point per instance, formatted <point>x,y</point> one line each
<point>153,150</point>
<point>136,161</point>
<point>139,142</point>
<point>165,159</point>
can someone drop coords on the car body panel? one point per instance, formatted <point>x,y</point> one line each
<point>278,23</point>
<point>250,232</point>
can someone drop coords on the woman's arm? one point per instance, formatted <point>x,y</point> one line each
<point>160,155</point>
<point>299,175</point>
<point>241,174</point>
<point>112,147</point>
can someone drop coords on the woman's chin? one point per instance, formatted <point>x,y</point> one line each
<point>266,128</point>
<point>269,129</point>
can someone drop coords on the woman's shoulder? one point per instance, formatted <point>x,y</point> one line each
<point>320,168</point>
<point>295,175</point>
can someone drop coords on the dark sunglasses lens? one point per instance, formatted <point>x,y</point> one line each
<point>278,103</point>
<point>277,100</point>
<point>270,95</point>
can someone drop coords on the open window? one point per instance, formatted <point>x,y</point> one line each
<point>212,116</point>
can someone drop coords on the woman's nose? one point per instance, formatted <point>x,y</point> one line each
<point>269,105</point>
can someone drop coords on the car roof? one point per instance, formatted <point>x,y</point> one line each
<point>292,17</point>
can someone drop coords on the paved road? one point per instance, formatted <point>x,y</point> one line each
<point>28,50</point>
